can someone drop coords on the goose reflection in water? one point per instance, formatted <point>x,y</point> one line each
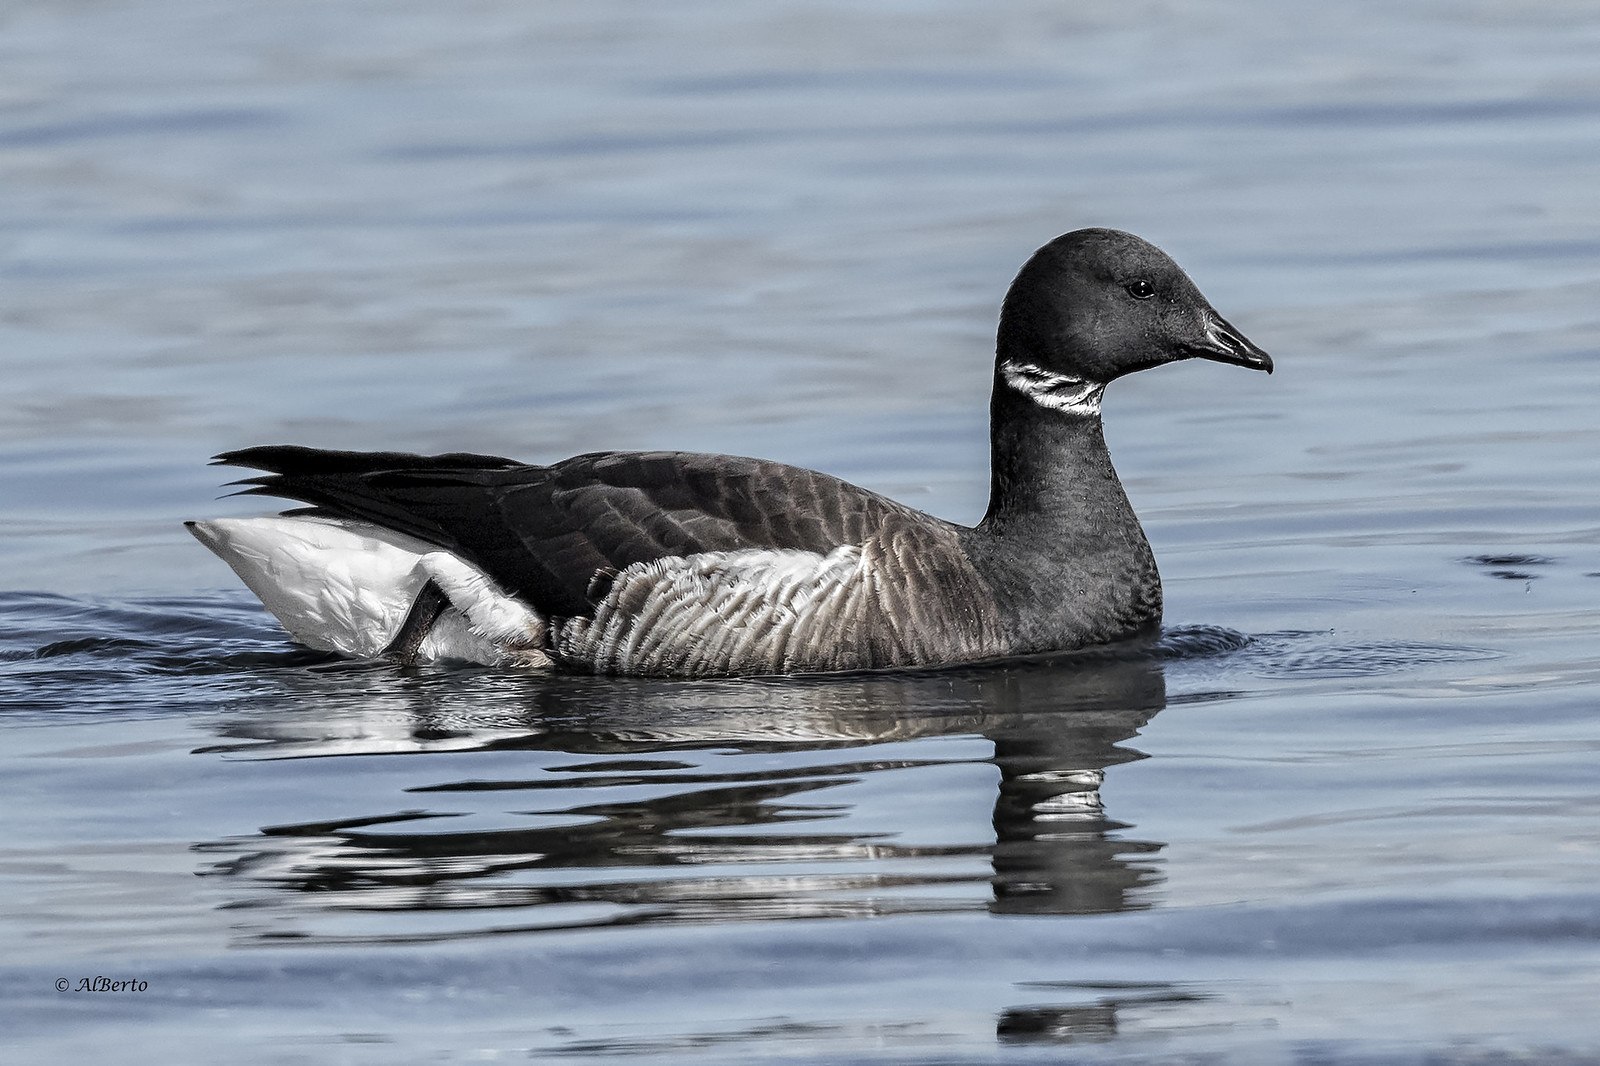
<point>667,802</point>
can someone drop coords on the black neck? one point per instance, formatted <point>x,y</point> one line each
<point>1050,473</point>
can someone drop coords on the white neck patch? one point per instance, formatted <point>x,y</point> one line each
<point>1055,391</point>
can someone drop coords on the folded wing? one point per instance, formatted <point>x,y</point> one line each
<point>549,534</point>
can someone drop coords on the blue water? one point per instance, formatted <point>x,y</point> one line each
<point>1346,811</point>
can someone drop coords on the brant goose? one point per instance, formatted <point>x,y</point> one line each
<point>678,564</point>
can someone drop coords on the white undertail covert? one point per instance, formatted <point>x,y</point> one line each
<point>347,587</point>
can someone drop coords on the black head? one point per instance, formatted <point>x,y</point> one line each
<point>1096,304</point>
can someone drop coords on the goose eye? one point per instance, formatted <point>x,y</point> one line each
<point>1141,289</point>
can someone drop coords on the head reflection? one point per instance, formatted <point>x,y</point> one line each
<point>658,802</point>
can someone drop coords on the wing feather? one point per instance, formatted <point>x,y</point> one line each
<point>543,532</point>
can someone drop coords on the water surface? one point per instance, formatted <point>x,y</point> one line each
<point>1345,810</point>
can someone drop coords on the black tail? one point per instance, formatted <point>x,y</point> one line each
<point>295,461</point>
